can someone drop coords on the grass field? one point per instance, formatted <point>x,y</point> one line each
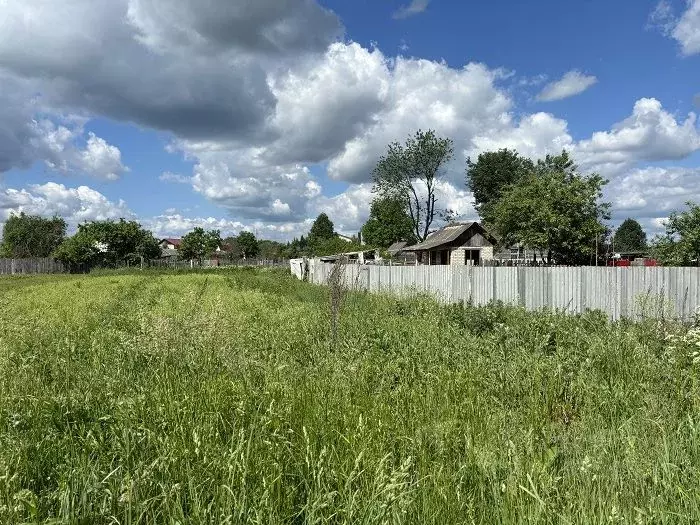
<point>224,397</point>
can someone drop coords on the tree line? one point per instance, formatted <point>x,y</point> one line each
<point>546,205</point>
<point>114,243</point>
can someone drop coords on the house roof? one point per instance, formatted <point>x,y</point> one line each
<point>173,241</point>
<point>446,235</point>
<point>396,247</point>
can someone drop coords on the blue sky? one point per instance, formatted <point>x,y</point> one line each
<point>261,115</point>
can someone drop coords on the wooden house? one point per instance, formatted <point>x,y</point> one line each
<point>456,244</point>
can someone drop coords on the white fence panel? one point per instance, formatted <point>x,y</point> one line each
<point>634,292</point>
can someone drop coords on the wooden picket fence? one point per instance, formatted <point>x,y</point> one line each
<point>30,266</point>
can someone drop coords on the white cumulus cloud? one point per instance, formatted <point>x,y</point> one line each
<point>571,84</point>
<point>415,7</point>
<point>685,29</point>
<point>649,134</point>
<point>76,205</point>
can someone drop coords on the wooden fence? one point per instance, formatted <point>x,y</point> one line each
<point>628,292</point>
<point>30,266</point>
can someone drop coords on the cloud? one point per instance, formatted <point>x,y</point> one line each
<point>685,29</point>
<point>649,134</point>
<point>202,68</point>
<point>260,96</point>
<point>264,26</point>
<point>76,205</point>
<point>414,8</point>
<point>571,84</point>
<point>168,176</point>
<point>56,145</point>
<point>653,191</point>
<point>63,147</point>
<point>175,224</point>
<point>243,184</point>
<point>457,103</point>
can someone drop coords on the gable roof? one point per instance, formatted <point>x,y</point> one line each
<point>397,247</point>
<point>448,234</point>
<point>172,240</point>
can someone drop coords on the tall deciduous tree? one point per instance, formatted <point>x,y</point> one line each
<point>410,173</point>
<point>556,211</point>
<point>680,245</point>
<point>199,244</point>
<point>321,230</point>
<point>388,222</point>
<point>247,244</point>
<point>491,174</point>
<point>31,236</point>
<point>630,237</point>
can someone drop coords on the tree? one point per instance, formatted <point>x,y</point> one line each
<point>493,173</point>
<point>31,236</point>
<point>630,237</point>
<point>411,173</point>
<point>388,222</point>
<point>79,250</point>
<point>297,248</point>
<point>680,245</point>
<point>321,230</point>
<point>271,250</point>
<point>335,246</point>
<point>248,244</point>
<point>199,244</point>
<point>556,211</point>
<point>108,244</point>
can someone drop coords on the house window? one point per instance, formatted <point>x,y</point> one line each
<point>444,256</point>
<point>473,257</point>
<point>439,257</point>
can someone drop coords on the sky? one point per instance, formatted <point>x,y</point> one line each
<point>260,114</point>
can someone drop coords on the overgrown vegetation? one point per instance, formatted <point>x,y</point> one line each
<point>218,397</point>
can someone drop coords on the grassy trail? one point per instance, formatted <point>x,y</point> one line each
<point>221,397</point>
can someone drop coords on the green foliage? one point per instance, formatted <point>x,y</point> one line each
<point>680,245</point>
<point>108,244</point>
<point>411,173</point>
<point>388,222</point>
<point>630,237</point>
<point>199,244</point>
<point>272,250</point>
<point>491,175</point>
<point>321,230</point>
<point>297,248</point>
<point>82,249</point>
<point>248,244</point>
<point>25,236</point>
<point>129,403</point>
<point>336,245</point>
<point>554,210</point>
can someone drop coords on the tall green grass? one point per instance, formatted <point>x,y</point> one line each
<point>223,397</point>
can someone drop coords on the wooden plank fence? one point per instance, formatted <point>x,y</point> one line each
<point>30,266</point>
<point>629,292</point>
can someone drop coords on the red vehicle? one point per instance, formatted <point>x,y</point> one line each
<point>632,259</point>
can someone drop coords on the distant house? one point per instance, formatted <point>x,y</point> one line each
<point>168,248</point>
<point>456,244</point>
<point>170,244</point>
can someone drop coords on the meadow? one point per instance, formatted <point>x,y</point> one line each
<point>243,396</point>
